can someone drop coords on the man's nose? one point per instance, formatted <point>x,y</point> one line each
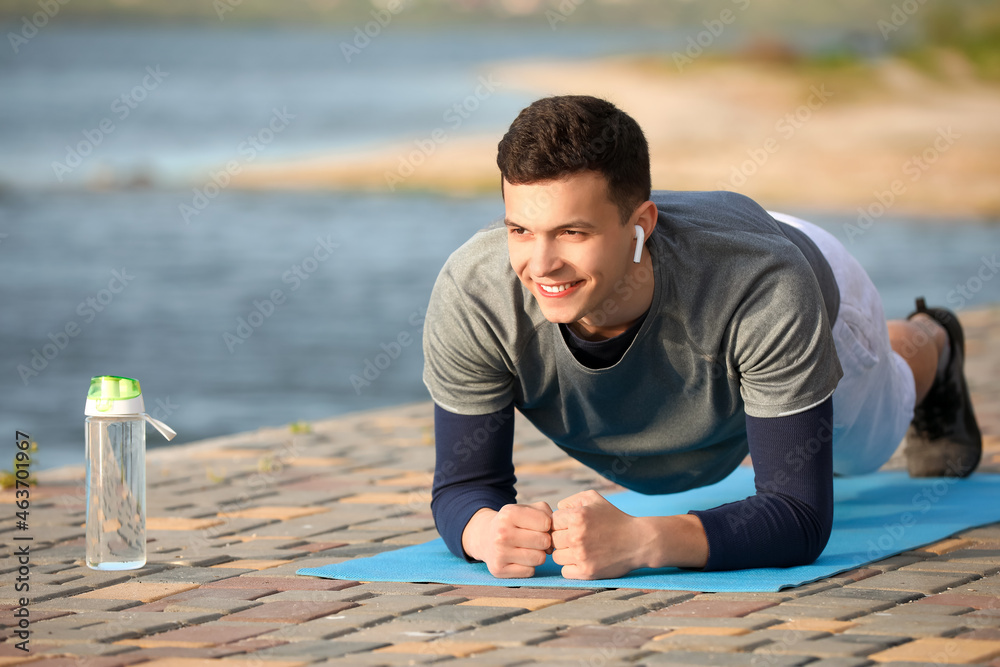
<point>544,257</point>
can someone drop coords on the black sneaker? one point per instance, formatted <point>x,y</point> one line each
<point>943,439</point>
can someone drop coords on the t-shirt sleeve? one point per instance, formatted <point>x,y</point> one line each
<point>465,368</point>
<point>781,342</point>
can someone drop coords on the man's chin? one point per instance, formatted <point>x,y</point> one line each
<point>557,317</point>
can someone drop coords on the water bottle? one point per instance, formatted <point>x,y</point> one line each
<point>116,473</point>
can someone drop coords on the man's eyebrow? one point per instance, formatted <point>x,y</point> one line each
<point>574,224</point>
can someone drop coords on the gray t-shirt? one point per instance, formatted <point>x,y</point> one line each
<point>738,325</point>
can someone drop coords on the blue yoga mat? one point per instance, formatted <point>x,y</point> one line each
<point>875,516</point>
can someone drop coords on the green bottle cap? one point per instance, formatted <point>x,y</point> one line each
<point>107,388</point>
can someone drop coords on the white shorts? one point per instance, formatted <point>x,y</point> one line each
<point>873,403</point>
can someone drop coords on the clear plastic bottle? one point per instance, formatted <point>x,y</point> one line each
<point>116,473</point>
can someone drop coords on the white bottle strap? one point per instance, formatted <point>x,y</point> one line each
<point>164,430</point>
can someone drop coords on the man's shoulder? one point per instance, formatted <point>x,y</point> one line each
<point>484,254</point>
<point>712,210</point>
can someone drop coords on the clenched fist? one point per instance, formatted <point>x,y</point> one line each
<point>512,541</point>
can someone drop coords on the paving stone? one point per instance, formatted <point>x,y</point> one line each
<point>838,645</point>
<point>110,655</point>
<point>613,636</point>
<point>228,662</point>
<point>187,653</point>
<point>282,583</point>
<point>815,624</point>
<point>712,608</point>
<point>146,623</point>
<point>914,609</point>
<point>134,590</point>
<point>531,604</point>
<point>188,575</point>
<point>396,588</point>
<point>410,629</point>
<point>874,594</point>
<point>221,605</point>
<point>989,634</point>
<point>563,656</point>
<point>584,612</point>
<point>972,567</point>
<point>155,523</point>
<point>615,594</point>
<point>204,635</point>
<point>363,549</point>
<point>74,660</point>
<point>988,556</point>
<point>449,647</point>
<point>472,592</point>
<point>963,600</point>
<point>289,611</point>
<point>910,580</point>
<point>654,600</point>
<point>42,593</point>
<point>840,662</point>
<point>312,650</point>
<point>463,614</point>
<point>751,622</point>
<point>684,641</point>
<point>831,608</point>
<point>915,626</point>
<point>510,634</point>
<point>896,562</point>
<point>77,604</point>
<point>724,659</point>
<point>345,595</point>
<point>788,638</point>
<point>404,604</point>
<point>382,660</point>
<point>343,623</point>
<point>940,650</point>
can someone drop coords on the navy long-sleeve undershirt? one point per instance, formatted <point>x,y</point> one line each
<point>787,522</point>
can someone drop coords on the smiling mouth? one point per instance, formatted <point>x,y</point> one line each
<point>557,290</point>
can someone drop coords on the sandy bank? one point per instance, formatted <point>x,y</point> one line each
<point>815,138</point>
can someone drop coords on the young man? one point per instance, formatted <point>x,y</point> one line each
<point>658,338</point>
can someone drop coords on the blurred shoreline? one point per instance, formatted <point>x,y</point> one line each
<point>867,137</point>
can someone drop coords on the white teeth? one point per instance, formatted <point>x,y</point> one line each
<point>555,289</point>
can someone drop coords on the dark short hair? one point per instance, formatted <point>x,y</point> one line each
<point>558,136</point>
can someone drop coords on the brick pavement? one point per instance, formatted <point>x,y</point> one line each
<point>231,519</point>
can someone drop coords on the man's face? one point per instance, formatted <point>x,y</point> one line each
<point>568,247</point>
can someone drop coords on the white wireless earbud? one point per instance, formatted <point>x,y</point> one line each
<point>640,238</point>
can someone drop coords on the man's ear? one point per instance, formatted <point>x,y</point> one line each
<point>645,216</point>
